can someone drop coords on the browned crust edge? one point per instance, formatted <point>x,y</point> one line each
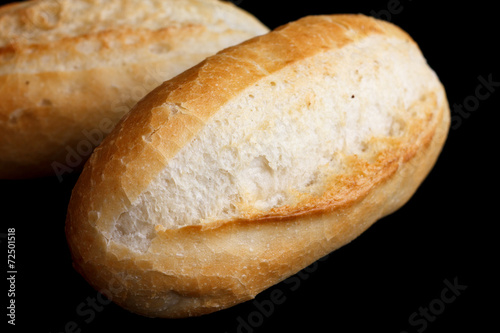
<point>170,280</point>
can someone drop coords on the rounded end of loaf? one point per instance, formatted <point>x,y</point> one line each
<point>200,268</point>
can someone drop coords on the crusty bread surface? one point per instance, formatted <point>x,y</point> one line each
<point>248,167</point>
<point>70,69</point>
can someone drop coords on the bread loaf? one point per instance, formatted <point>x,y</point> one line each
<point>248,167</point>
<point>70,69</point>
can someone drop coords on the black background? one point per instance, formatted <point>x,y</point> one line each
<point>447,231</point>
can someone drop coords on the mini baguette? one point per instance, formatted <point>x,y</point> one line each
<point>70,69</point>
<point>248,167</point>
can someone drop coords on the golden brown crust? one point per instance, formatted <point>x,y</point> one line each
<point>199,269</point>
<point>205,88</point>
<point>65,85</point>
